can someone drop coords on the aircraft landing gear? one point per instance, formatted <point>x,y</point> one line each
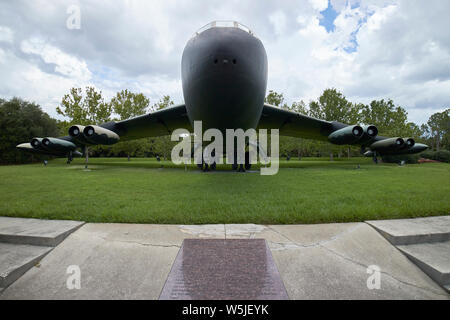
<point>69,157</point>
<point>375,159</point>
<point>248,165</point>
<point>86,153</point>
<point>206,167</point>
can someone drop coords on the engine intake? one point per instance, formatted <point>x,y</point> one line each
<point>36,143</point>
<point>76,132</point>
<point>370,132</point>
<point>99,135</point>
<point>347,135</point>
<point>409,142</point>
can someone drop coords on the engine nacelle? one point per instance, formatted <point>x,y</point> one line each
<point>99,135</point>
<point>76,132</point>
<point>417,148</point>
<point>370,132</point>
<point>409,142</point>
<point>35,146</point>
<point>347,135</point>
<point>36,143</point>
<point>59,145</point>
<point>390,144</point>
<point>369,153</point>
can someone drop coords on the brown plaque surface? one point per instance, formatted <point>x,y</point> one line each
<point>219,269</point>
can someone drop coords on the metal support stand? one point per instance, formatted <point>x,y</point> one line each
<point>86,153</point>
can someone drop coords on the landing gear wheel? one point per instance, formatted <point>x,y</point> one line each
<point>213,166</point>
<point>248,165</point>
<point>206,168</point>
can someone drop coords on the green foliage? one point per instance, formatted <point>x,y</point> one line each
<point>333,106</point>
<point>162,146</point>
<point>127,104</point>
<point>391,120</point>
<point>408,158</point>
<point>442,155</point>
<point>437,130</point>
<point>275,99</point>
<point>20,121</point>
<point>88,109</point>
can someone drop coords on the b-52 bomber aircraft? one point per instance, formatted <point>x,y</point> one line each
<point>224,79</point>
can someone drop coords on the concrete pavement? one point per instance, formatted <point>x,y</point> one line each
<point>132,261</point>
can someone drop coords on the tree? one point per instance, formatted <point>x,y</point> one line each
<point>275,99</point>
<point>162,145</point>
<point>85,110</point>
<point>19,122</point>
<point>288,145</point>
<point>126,105</point>
<point>333,106</point>
<point>390,120</point>
<point>438,127</point>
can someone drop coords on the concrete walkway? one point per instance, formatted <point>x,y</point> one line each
<point>131,261</point>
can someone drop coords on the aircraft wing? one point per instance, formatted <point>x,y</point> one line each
<point>158,123</point>
<point>294,124</point>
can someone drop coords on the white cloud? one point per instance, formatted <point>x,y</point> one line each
<point>399,49</point>
<point>6,34</point>
<point>278,20</point>
<point>319,5</point>
<point>64,64</point>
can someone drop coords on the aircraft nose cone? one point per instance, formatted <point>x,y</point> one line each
<point>224,76</point>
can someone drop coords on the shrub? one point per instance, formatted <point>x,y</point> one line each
<point>397,158</point>
<point>443,155</point>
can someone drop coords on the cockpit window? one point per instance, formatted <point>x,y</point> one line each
<point>224,24</point>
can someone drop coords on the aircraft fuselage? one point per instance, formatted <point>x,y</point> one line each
<point>224,78</point>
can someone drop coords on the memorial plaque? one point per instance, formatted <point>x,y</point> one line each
<point>219,269</point>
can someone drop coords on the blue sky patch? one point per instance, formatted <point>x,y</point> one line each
<point>328,17</point>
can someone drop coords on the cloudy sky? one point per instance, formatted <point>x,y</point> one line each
<point>368,49</point>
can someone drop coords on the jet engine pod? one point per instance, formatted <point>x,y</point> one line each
<point>99,135</point>
<point>60,145</point>
<point>409,142</point>
<point>417,148</point>
<point>347,135</point>
<point>370,132</point>
<point>76,132</point>
<point>390,144</point>
<point>36,143</point>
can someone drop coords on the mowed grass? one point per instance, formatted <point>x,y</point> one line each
<point>147,191</point>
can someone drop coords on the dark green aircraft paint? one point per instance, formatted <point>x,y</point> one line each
<point>224,80</point>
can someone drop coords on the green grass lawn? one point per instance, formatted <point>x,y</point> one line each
<point>147,191</point>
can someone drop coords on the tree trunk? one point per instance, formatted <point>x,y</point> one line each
<point>348,152</point>
<point>331,156</point>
